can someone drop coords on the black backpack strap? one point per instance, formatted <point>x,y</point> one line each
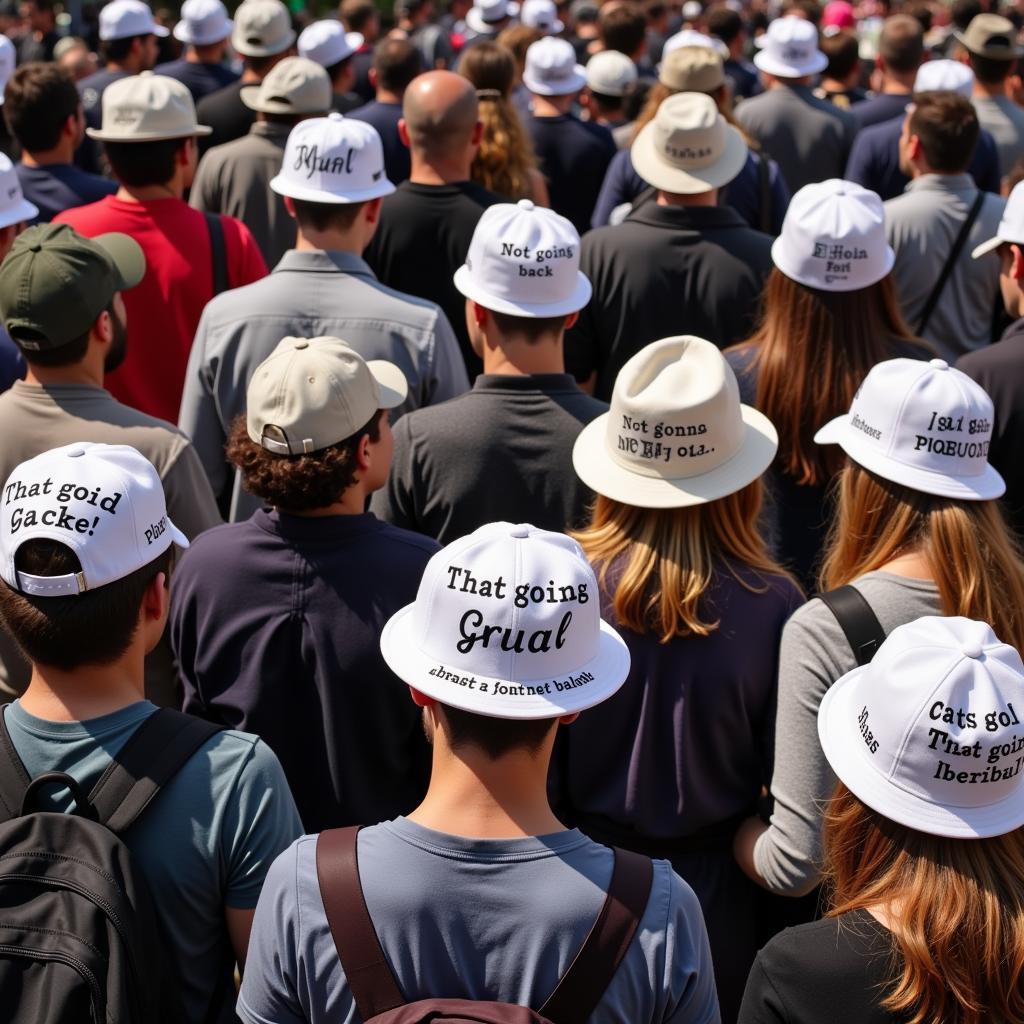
<point>764,175</point>
<point>14,779</point>
<point>218,252</point>
<point>863,631</point>
<point>947,267</point>
<point>153,755</point>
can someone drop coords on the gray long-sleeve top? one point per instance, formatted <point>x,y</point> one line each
<point>814,653</point>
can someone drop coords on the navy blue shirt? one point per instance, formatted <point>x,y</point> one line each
<point>277,632</point>
<point>199,79</point>
<point>883,107</point>
<point>746,82</point>
<point>385,117</point>
<point>58,187</point>
<point>91,91</point>
<point>12,365</point>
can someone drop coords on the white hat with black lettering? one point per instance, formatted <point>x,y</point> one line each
<point>524,260</point>
<point>333,159</point>
<point>328,43</point>
<point>552,69</point>
<point>930,733</point>
<point>203,23</point>
<point>789,49</point>
<point>925,425</point>
<point>123,19</point>
<point>1011,225</point>
<point>676,433</point>
<point>507,623</point>
<point>833,238</point>
<point>103,501</point>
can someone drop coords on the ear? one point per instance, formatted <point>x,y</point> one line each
<point>103,328</point>
<point>1017,264</point>
<point>371,76</point>
<point>478,133</point>
<point>364,456</point>
<point>70,126</point>
<point>569,719</point>
<point>155,599</point>
<point>421,700</point>
<point>403,133</point>
<point>479,314</point>
<point>570,320</point>
<point>371,211</point>
<point>184,149</point>
<point>289,206</point>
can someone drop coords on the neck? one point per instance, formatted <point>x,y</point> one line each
<point>512,358</point>
<point>833,85</point>
<point>88,371</point>
<point>141,194</point>
<point>250,77</point>
<point>894,85</point>
<point>351,503</point>
<point>791,83</point>
<point>62,153</point>
<point>551,106</point>
<point>387,96</point>
<point>440,169</point>
<point>310,240</point>
<point>912,564</point>
<point>709,198</point>
<point>86,692</point>
<point>986,91</point>
<point>204,54</point>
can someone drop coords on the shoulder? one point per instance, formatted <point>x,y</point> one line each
<point>414,545</point>
<point>81,217</point>
<point>985,365</point>
<point>219,544</point>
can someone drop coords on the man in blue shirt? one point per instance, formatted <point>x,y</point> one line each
<point>900,53</point>
<point>204,29</point>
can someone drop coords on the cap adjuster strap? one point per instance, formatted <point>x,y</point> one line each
<point>52,586</point>
<point>285,447</point>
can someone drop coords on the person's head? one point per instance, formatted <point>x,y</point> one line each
<point>925,820</point>
<point>541,15</point>
<point>1008,245</point>
<point>413,13</point>
<point>517,39</point>
<point>441,122</point>
<point>206,27</point>
<point>687,69</point>
<point>85,554</point>
<point>726,24</point>
<point>74,57</point>
<point>262,34</point>
<point>128,35</point>
<point>40,15</point>
<point>992,50</point>
<point>396,62</point>
<point>489,17</point>
<point>296,88</point>
<point>842,49</point>
<point>939,134</point>
<point>901,47</point>
<point>623,27</point>
<point>315,432</point>
<point>552,72</point>
<point>789,50</point>
<point>611,76</point>
<point>43,109</point>
<point>963,12</point>
<point>327,43</point>
<point>361,16</point>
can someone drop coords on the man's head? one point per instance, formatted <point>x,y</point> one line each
<point>789,50</point>
<point>361,16</point>
<point>441,121</point>
<point>43,109</point>
<point>992,50</point>
<point>327,43</point>
<point>72,54</point>
<point>85,553</point>
<point>40,15</point>
<point>396,62</point>
<point>489,17</point>
<point>939,135</point>
<point>262,35</point>
<point>1008,244</point>
<point>901,47</point>
<point>295,89</point>
<point>623,27</point>
<point>128,35</point>
<point>843,52</point>
<point>552,73</point>
<point>413,13</point>
<point>611,76</point>
<point>206,27</point>
<point>724,23</point>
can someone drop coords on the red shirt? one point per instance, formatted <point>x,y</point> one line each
<point>164,309</point>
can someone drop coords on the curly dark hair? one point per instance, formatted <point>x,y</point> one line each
<point>298,483</point>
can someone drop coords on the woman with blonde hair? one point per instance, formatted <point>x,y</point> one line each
<point>678,757</point>
<point>918,531</point>
<point>504,162</point>
<point>924,854</point>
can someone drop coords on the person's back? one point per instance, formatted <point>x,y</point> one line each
<point>204,30</point>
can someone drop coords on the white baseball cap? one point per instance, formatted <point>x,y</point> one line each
<point>924,425</point>
<point>263,28</point>
<point>507,623</point>
<point>789,49</point>
<point>484,15</point>
<point>688,147</point>
<point>611,73</point>
<point>1011,226</point>
<point>541,15</point>
<point>293,86</point>
<point>310,393</point>
<point>691,37</point>
<point>551,68</point>
<point>328,43</point>
<point>929,733</point>
<point>945,76</point>
<point>8,61</point>
<point>203,22</point>
<point>123,19</point>
<point>833,238</point>
<point>524,260</point>
<point>676,433</point>
<point>333,159</point>
<point>104,501</point>
<point>14,207</point>
<point>147,108</point>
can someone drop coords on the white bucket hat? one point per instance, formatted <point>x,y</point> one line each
<point>945,76</point>
<point>333,159</point>
<point>926,426</point>
<point>929,733</point>
<point>551,68</point>
<point>676,433</point>
<point>484,15</point>
<point>1011,226</point>
<point>14,207</point>
<point>541,15</point>
<point>524,260</point>
<point>610,73</point>
<point>294,86</point>
<point>507,623</point>
<point>328,43</point>
<point>203,23</point>
<point>263,28</point>
<point>8,61</point>
<point>123,19</point>
<point>147,108</point>
<point>688,147</point>
<point>691,37</point>
<point>833,238</point>
<point>789,49</point>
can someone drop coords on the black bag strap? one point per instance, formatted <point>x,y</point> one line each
<point>218,252</point>
<point>947,267</point>
<point>859,623</point>
<point>14,779</point>
<point>372,982</point>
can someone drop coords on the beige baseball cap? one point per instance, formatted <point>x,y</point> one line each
<point>310,393</point>
<point>147,108</point>
<point>692,69</point>
<point>295,86</point>
<point>263,28</point>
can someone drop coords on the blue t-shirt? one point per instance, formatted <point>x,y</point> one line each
<point>485,919</point>
<point>59,187</point>
<point>205,843</point>
<point>199,79</point>
<point>12,364</point>
<point>883,107</point>
<point>91,90</point>
<point>385,117</point>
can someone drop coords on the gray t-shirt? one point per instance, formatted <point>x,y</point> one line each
<point>814,653</point>
<point>486,919</point>
<point>1004,121</point>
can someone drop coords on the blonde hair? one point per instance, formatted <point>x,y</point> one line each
<point>956,909</point>
<point>670,556</point>
<point>970,550</point>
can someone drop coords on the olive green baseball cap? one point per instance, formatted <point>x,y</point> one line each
<point>55,282</point>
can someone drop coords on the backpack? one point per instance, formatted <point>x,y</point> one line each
<point>79,938</point>
<point>376,992</point>
<point>857,619</point>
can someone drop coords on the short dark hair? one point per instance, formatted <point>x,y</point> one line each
<point>623,28</point>
<point>357,13</point>
<point>810,9</point>
<point>606,102</point>
<point>38,100</point>
<point>843,52</point>
<point>92,628</point>
<point>494,736</point>
<point>298,483</point>
<point>68,354</point>
<point>325,216</point>
<point>262,65</point>
<point>117,49</point>
<point>724,23</point>
<point>901,43</point>
<point>990,71</point>
<point>963,12</point>
<point>947,125</point>
<point>335,69</point>
<point>529,328</point>
<point>397,62</point>
<point>144,163</point>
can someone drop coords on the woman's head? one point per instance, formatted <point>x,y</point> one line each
<point>489,66</point>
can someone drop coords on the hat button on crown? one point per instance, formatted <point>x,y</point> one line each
<point>938,364</point>
<point>76,454</point>
<point>521,531</point>
<point>302,343</point>
<point>335,116</point>
<point>971,650</point>
<point>525,204</point>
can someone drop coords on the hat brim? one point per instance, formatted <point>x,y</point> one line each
<point>990,246</point>
<point>846,751</point>
<point>574,83</point>
<point>22,211</point>
<point>127,255</point>
<point>155,30</point>
<point>283,187</point>
<point>391,382</point>
<point>485,28</point>
<point>182,34</point>
<point>468,287</point>
<point>1009,53</point>
<point>609,667</point>
<point>243,49</point>
<point>986,486</point>
<point>595,466</point>
<point>647,162</point>
<point>101,136</point>
<point>250,95</point>
<point>782,261</point>
<point>764,61</point>
<point>549,30</point>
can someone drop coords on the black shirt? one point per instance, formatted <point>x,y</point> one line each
<point>443,216</point>
<point>199,79</point>
<point>573,156</point>
<point>666,270</point>
<point>502,451</point>
<point>385,117</point>
<point>226,114</point>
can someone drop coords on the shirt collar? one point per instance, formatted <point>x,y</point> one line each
<point>525,382</point>
<point>942,183</point>
<point>321,262</point>
<point>693,217</point>
<point>314,528</point>
<point>269,130</point>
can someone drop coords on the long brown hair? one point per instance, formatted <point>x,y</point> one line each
<point>812,351</point>
<point>671,555</point>
<point>970,550</point>
<point>956,909</point>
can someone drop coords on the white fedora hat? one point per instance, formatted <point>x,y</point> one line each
<point>676,433</point>
<point>484,15</point>
<point>147,108</point>
<point>328,43</point>
<point>789,49</point>
<point>551,68</point>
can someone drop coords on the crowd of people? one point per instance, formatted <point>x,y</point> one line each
<point>512,513</point>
